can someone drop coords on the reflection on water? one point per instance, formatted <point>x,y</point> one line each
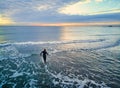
<point>2,39</point>
<point>76,33</point>
<point>71,33</point>
<point>2,36</point>
<point>32,33</point>
<point>88,33</point>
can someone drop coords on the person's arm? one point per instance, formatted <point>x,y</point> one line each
<point>47,53</point>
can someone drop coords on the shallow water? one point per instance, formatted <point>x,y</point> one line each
<point>79,57</point>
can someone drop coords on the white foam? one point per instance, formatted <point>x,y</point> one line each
<point>16,74</point>
<point>11,52</point>
<point>92,44</point>
<point>51,42</point>
<point>32,83</point>
<point>65,80</point>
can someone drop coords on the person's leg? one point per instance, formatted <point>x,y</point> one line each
<point>44,58</point>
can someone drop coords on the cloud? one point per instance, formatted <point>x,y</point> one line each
<point>59,10</point>
<point>90,7</point>
<point>32,10</point>
<point>43,7</point>
<point>99,0</point>
<point>106,12</point>
<point>74,9</point>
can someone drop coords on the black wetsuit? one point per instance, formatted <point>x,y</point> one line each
<point>44,53</point>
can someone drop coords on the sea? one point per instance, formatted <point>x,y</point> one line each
<point>79,57</point>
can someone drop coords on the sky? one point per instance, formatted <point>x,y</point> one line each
<point>58,11</point>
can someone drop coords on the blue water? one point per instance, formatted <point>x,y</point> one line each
<point>79,57</point>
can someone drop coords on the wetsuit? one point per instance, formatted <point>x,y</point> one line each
<point>44,53</point>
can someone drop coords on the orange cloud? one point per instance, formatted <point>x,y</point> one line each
<point>76,24</point>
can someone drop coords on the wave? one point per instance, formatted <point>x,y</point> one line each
<point>12,49</point>
<point>52,42</point>
<point>26,49</point>
<point>11,52</point>
<point>109,45</point>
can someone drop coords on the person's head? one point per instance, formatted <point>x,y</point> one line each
<point>44,49</point>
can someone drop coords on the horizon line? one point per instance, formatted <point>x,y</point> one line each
<point>65,24</point>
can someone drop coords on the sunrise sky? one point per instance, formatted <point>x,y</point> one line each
<point>59,12</point>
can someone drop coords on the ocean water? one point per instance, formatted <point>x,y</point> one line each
<point>79,57</point>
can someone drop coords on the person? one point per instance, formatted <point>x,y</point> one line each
<point>44,53</point>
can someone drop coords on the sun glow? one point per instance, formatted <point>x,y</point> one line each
<point>5,20</point>
<point>77,24</point>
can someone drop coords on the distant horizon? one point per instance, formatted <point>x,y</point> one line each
<point>66,24</point>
